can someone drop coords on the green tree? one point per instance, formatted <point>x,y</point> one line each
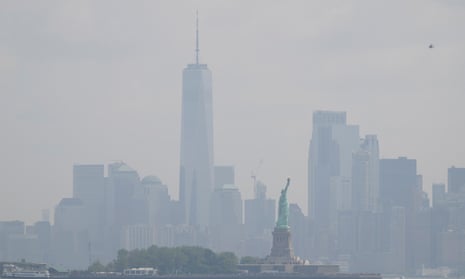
<point>186,259</point>
<point>122,260</point>
<point>227,261</point>
<point>96,267</point>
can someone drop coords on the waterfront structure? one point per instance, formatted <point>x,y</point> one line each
<point>196,168</point>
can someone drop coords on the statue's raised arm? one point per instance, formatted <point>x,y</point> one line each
<point>287,184</point>
<point>283,209</point>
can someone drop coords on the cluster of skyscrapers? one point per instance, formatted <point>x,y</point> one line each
<point>371,214</point>
<point>366,213</point>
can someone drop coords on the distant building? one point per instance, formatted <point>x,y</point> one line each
<point>123,181</point>
<point>224,175</point>
<point>71,237</point>
<point>154,194</point>
<point>140,236</point>
<point>398,182</point>
<point>330,156</point>
<point>365,176</point>
<point>456,180</point>
<point>329,177</point>
<point>260,213</point>
<point>121,208</point>
<point>196,170</point>
<point>226,206</point>
<point>89,188</point>
<point>7,229</point>
<point>298,226</point>
<point>226,219</point>
<point>259,221</point>
<point>439,194</point>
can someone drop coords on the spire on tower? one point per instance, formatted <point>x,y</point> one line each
<point>197,39</point>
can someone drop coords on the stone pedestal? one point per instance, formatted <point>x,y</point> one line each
<point>282,251</point>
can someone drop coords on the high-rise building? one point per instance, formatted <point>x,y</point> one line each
<point>224,175</point>
<point>71,247</point>
<point>259,221</point>
<point>260,213</point>
<point>456,180</point>
<point>154,194</point>
<point>196,170</point>
<point>226,219</point>
<point>123,181</point>
<point>439,194</point>
<point>398,182</point>
<point>330,162</point>
<point>88,184</point>
<point>365,175</point>
<point>89,188</point>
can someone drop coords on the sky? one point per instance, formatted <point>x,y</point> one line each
<point>100,81</point>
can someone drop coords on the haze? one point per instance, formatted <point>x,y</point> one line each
<point>99,81</point>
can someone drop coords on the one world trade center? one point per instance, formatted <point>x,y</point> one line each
<point>196,170</point>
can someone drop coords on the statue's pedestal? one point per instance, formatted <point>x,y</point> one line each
<point>281,252</point>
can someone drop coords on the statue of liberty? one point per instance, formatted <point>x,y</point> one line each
<point>283,209</point>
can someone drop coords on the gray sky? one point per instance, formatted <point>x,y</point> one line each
<point>98,81</point>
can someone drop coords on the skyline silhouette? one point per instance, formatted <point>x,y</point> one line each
<point>84,83</point>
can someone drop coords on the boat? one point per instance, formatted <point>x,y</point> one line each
<point>140,272</point>
<point>14,271</point>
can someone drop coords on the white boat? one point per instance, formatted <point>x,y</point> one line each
<point>140,272</point>
<point>13,271</point>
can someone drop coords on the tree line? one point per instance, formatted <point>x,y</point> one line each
<point>177,260</point>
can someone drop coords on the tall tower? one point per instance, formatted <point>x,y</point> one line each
<point>196,171</point>
<point>330,164</point>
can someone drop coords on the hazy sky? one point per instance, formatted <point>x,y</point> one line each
<point>99,81</point>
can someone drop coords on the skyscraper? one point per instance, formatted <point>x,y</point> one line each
<point>365,175</point>
<point>398,181</point>
<point>196,170</point>
<point>455,180</point>
<point>330,163</point>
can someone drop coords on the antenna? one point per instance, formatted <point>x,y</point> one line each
<point>197,38</point>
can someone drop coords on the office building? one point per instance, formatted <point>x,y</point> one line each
<point>224,175</point>
<point>455,180</point>
<point>157,201</point>
<point>439,194</point>
<point>330,163</point>
<point>226,219</point>
<point>196,170</point>
<point>398,182</point>
<point>89,188</point>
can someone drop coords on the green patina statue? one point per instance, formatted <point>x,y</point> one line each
<point>283,209</point>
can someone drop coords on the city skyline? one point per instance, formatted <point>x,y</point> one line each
<point>87,91</point>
